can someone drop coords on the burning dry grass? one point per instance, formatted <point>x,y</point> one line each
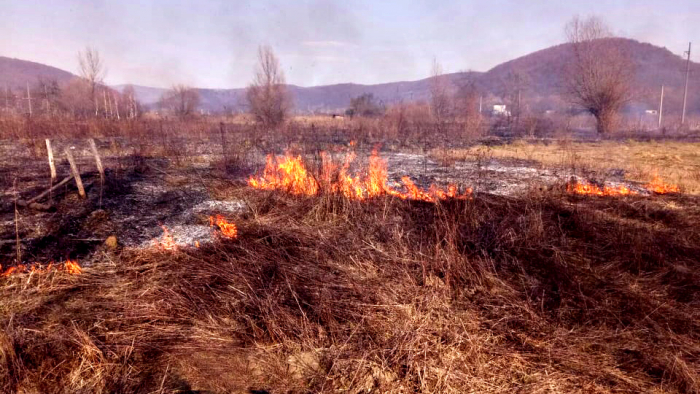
<point>329,294</point>
<point>70,266</point>
<point>677,163</point>
<point>289,174</point>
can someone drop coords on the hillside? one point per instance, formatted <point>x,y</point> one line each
<point>315,98</point>
<point>654,66</point>
<point>16,73</point>
<point>541,72</point>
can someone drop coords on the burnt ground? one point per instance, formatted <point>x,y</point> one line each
<point>497,294</point>
<point>144,192</point>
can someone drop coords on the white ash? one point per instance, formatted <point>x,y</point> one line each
<point>185,235</point>
<point>216,206</point>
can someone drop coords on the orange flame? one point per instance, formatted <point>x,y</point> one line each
<point>591,189</point>
<point>167,242</point>
<point>70,266</point>
<point>658,186</point>
<point>289,174</point>
<point>229,230</point>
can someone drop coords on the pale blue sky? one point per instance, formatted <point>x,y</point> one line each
<point>213,43</point>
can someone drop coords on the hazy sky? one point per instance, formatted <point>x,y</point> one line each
<point>212,43</point>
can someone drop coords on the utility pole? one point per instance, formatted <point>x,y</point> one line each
<point>116,104</point>
<point>517,120</point>
<point>480,98</point>
<point>46,97</point>
<point>661,106</point>
<point>104,95</point>
<point>29,100</point>
<point>685,91</point>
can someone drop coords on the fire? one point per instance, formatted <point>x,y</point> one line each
<point>167,242</point>
<point>229,230</point>
<point>591,189</point>
<point>288,173</point>
<point>658,186</point>
<point>70,266</point>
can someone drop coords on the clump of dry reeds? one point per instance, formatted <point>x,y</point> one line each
<point>538,294</point>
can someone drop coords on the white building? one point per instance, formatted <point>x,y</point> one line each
<point>500,110</point>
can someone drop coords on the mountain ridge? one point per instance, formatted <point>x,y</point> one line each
<point>541,70</point>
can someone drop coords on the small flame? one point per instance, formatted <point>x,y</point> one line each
<point>70,266</point>
<point>167,242</point>
<point>658,186</point>
<point>288,173</point>
<point>591,189</point>
<point>228,230</point>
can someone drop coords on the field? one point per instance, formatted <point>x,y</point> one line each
<point>510,282</point>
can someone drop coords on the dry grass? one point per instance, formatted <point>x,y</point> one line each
<point>542,293</point>
<point>538,294</point>
<point>675,162</point>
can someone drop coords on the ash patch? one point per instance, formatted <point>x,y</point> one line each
<point>183,235</point>
<point>216,206</point>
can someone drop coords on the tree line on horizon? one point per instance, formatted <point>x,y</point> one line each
<point>597,80</point>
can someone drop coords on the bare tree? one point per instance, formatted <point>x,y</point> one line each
<point>598,76</point>
<point>365,105</point>
<point>267,95</point>
<point>131,108</point>
<point>467,99</point>
<point>182,100</point>
<point>93,71</point>
<point>513,87</point>
<point>440,103</point>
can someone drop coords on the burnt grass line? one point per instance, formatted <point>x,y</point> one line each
<point>530,293</point>
<point>73,227</point>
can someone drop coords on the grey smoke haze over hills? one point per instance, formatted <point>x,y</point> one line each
<point>212,43</point>
<point>542,71</point>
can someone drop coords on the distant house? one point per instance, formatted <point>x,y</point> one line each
<point>651,112</point>
<point>500,110</point>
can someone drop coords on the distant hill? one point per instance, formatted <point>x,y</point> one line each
<point>16,73</point>
<point>654,66</point>
<point>326,98</point>
<point>541,71</point>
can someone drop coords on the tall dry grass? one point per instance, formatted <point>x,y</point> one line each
<point>529,294</point>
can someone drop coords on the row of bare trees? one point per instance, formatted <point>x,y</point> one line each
<point>597,78</point>
<point>267,97</point>
<point>86,96</point>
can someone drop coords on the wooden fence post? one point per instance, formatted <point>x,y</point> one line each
<point>76,173</point>
<point>98,161</point>
<point>52,166</point>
